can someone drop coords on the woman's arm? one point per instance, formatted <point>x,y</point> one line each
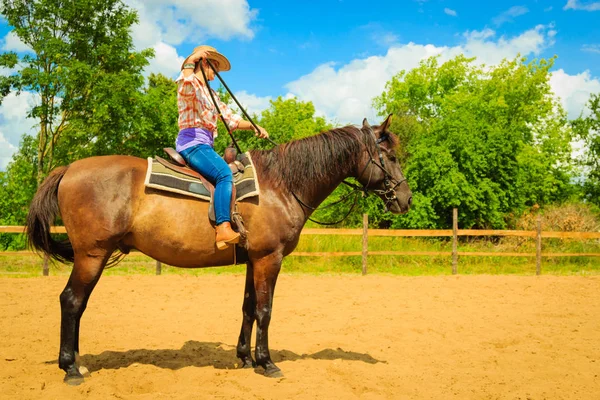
<point>235,122</point>
<point>246,125</point>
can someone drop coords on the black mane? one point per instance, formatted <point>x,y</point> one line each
<point>311,160</point>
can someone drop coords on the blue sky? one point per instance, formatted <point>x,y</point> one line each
<point>292,38</point>
<point>339,53</point>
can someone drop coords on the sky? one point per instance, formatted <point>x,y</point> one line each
<point>340,53</point>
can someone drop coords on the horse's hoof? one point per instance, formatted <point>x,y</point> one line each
<point>273,372</point>
<point>74,380</point>
<point>84,371</point>
<point>248,363</point>
<point>74,377</point>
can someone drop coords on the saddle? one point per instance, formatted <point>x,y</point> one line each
<point>178,164</point>
<point>182,167</point>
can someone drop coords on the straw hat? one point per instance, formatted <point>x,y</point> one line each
<point>214,55</point>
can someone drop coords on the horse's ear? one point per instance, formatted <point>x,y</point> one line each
<point>386,123</point>
<point>366,123</point>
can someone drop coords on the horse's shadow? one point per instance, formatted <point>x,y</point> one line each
<point>204,354</point>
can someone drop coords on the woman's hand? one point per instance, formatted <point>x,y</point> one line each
<point>193,59</point>
<point>261,132</point>
<point>197,56</point>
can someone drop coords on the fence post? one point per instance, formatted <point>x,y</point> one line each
<point>158,267</point>
<point>454,241</point>
<point>538,247</point>
<point>45,270</point>
<point>365,243</point>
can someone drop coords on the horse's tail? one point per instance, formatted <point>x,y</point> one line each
<point>42,212</point>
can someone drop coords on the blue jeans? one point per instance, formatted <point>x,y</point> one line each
<point>205,160</point>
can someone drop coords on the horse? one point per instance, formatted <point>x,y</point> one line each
<point>106,208</point>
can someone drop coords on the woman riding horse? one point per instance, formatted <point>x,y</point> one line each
<point>198,128</point>
<point>106,209</point>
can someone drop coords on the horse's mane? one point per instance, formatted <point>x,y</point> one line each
<point>307,161</point>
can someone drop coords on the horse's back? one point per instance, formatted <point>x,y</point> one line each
<point>109,163</point>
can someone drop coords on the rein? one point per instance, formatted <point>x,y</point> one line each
<point>236,102</point>
<point>390,183</point>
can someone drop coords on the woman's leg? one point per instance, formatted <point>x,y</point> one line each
<point>204,159</point>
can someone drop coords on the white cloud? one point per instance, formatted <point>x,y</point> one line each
<point>174,21</point>
<point>591,48</point>
<point>510,14</point>
<point>252,104</point>
<point>11,42</point>
<point>14,123</point>
<point>164,24</point>
<point>7,149</point>
<point>387,39</point>
<point>165,61</point>
<point>450,12</point>
<point>574,90</point>
<point>533,41</point>
<point>576,5</point>
<point>344,93</point>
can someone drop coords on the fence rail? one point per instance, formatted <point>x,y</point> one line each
<point>537,234</point>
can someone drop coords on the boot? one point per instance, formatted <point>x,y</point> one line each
<point>226,236</point>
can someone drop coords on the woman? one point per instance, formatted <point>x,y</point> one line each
<point>198,128</point>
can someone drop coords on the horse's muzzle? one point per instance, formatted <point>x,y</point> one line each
<point>400,205</point>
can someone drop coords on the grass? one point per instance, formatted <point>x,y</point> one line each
<point>30,265</point>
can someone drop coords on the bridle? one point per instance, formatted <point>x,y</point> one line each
<point>390,183</point>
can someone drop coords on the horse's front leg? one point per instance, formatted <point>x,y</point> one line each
<point>265,274</point>
<point>249,316</point>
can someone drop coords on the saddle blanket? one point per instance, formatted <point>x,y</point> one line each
<point>161,177</point>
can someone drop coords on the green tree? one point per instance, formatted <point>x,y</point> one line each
<point>83,69</point>
<point>285,120</point>
<point>588,130</point>
<point>488,140</point>
<point>17,187</point>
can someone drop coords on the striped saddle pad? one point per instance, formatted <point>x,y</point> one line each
<point>162,177</point>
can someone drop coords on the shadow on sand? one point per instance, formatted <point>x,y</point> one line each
<point>203,354</point>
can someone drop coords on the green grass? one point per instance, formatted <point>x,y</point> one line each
<point>29,266</point>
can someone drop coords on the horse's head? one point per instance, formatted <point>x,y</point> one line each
<point>379,171</point>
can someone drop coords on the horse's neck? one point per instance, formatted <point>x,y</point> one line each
<point>310,168</point>
<point>314,195</point>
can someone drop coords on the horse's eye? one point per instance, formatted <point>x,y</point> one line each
<point>393,159</point>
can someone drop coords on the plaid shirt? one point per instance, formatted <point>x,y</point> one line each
<point>196,109</point>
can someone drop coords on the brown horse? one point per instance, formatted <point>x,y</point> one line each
<point>106,207</point>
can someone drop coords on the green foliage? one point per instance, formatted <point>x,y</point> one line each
<point>87,78</point>
<point>488,140</point>
<point>17,187</point>
<point>82,66</point>
<point>588,130</point>
<point>285,120</point>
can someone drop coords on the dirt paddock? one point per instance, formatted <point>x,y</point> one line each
<point>174,337</point>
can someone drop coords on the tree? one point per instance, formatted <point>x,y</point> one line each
<point>588,130</point>
<point>17,187</point>
<point>285,120</point>
<point>83,69</point>
<point>488,140</point>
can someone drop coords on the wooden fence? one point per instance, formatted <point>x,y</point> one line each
<point>365,232</point>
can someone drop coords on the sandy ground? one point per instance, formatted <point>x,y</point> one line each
<point>345,337</point>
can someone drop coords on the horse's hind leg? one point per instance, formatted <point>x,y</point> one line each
<point>73,301</point>
<point>249,316</point>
